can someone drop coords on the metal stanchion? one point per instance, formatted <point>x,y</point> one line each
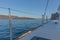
<point>10,24</point>
<point>42,19</point>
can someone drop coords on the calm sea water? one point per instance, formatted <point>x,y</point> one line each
<point>18,26</point>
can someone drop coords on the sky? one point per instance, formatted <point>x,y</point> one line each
<point>29,8</point>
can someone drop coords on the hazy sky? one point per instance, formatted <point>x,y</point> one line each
<point>34,8</point>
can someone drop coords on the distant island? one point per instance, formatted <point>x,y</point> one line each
<point>15,17</point>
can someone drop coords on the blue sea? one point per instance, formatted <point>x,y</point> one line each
<point>19,27</point>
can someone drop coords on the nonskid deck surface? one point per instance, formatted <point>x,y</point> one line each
<point>49,31</point>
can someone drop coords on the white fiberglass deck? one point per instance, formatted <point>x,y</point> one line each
<point>49,31</point>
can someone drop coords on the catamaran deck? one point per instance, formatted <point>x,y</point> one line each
<point>49,31</point>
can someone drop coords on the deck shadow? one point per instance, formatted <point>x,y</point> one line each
<point>39,38</point>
